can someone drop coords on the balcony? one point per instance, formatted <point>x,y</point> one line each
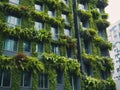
<point>102,3</point>
<point>102,24</point>
<point>84,15</point>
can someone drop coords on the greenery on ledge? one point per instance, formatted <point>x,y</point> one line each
<point>84,15</point>
<point>104,16</point>
<point>14,10</point>
<point>102,63</point>
<point>61,62</point>
<point>102,3</point>
<point>26,33</point>
<point>95,14</point>
<point>99,84</point>
<point>88,34</point>
<point>22,62</point>
<point>58,4</point>
<point>103,44</point>
<point>102,24</point>
<point>25,11</point>
<point>67,40</point>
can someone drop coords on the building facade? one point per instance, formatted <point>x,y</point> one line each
<point>54,45</point>
<point>114,37</point>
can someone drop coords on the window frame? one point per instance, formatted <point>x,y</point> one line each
<point>11,19</point>
<point>40,51</point>
<point>22,83</point>
<point>65,17</point>
<point>55,33</point>
<point>25,42</point>
<point>41,7</point>
<point>14,2</point>
<point>52,13</point>
<point>39,25</point>
<point>44,81</point>
<point>67,32</point>
<point>2,73</point>
<point>12,44</point>
<point>54,49</point>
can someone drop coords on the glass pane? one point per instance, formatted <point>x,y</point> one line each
<point>46,80</point>
<point>37,7</point>
<point>67,32</point>
<point>50,13</point>
<point>59,77</point>
<point>0,78</point>
<point>27,79</point>
<point>26,46</point>
<point>22,79</point>
<point>41,80</point>
<point>15,46</point>
<point>14,1</point>
<point>7,44</point>
<point>6,78</point>
<point>40,47</point>
<point>12,21</point>
<point>57,50</point>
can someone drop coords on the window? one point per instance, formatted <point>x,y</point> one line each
<point>85,24</point>
<point>15,2</point>
<point>59,77</point>
<point>43,80</point>
<point>73,82</point>
<point>39,7</point>
<point>26,79</point>
<point>13,21</point>
<point>51,13</point>
<point>70,52</point>
<point>67,32</point>
<point>87,68</point>
<point>55,49</point>
<point>5,78</point>
<point>65,17</point>
<point>10,45</point>
<point>104,52</point>
<point>39,49</point>
<point>88,47</point>
<point>65,1</point>
<point>39,25</point>
<point>103,74</point>
<point>54,32</point>
<point>26,46</point>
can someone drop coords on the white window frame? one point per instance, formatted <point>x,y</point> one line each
<point>65,17</point>
<point>26,42</point>
<point>52,13</point>
<point>14,2</point>
<point>55,33</point>
<point>23,79</point>
<point>39,7</point>
<point>39,51</point>
<point>67,32</point>
<point>39,25</point>
<point>13,21</point>
<point>12,43</point>
<point>43,78</point>
<point>2,78</point>
<point>65,2</point>
<point>56,49</point>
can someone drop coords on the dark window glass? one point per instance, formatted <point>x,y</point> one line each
<point>59,77</point>
<point>26,79</point>
<point>43,81</point>
<point>27,46</point>
<point>6,78</point>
